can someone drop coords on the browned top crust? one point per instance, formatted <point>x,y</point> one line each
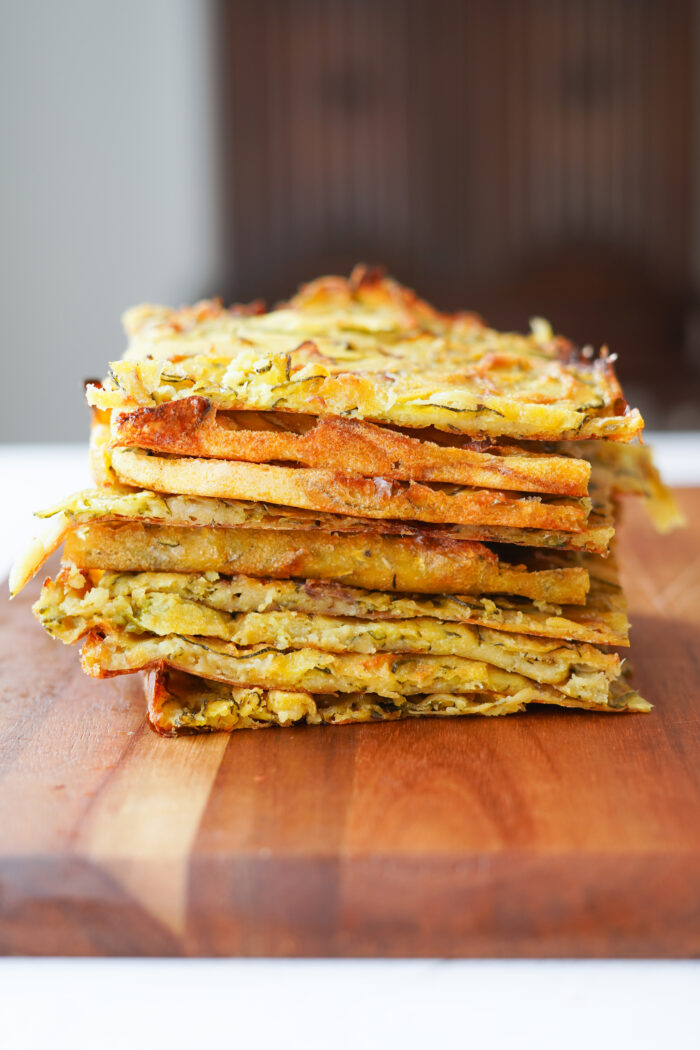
<point>366,348</point>
<point>370,288</point>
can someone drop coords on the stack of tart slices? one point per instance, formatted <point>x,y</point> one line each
<point>349,508</point>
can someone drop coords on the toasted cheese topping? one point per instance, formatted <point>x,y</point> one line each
<point>533,400</point>
<point>382,356</point>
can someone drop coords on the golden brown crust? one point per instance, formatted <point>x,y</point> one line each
<point>332,492</point>
<point>193,427</point>
<point>427,565</point>
<point>370,288</point>
<point>367,290</point>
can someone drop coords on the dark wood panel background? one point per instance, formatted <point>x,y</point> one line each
<point>509,156</point>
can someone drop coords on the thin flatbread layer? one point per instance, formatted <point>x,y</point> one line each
<point>122,504</point>
<point>71,606</point>
<point>316,671</point>
<point>180,703</point>
<point>430,565</point>
<point>601,621</point>
<point>594,539</point>
<point>537,398</point>
<point>337,493</point>
<point>116,504</point>
<point>193,427</point>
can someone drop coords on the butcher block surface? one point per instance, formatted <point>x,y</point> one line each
<point>550,833</point>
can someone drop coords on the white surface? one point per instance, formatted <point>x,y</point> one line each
<point>489,1005</point>
<point>677,456</point>
<point>305,1005</point>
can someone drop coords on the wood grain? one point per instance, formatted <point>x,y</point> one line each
<point>544,834</point>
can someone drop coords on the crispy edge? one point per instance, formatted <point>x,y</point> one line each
<point>164,685</point>
<point>336,493</point>
<point>191,426</point>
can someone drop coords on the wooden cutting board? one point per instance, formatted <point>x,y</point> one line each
<point>543,834</point>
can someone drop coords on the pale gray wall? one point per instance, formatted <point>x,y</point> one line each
<point>106,190</point>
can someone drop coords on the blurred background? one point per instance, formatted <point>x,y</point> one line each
<point>515,157</point>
